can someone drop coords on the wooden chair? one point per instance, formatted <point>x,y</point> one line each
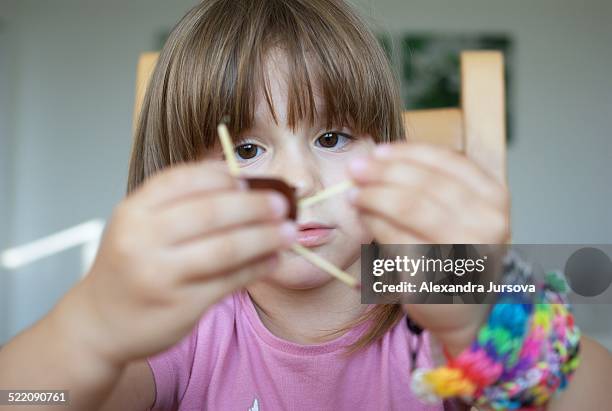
<point>477,128</point>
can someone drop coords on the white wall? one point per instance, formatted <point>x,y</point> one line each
<point>73,93</point>
<point>6,91</point>
<point>70,123</point>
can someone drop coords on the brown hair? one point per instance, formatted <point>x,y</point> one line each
<point>213,64</point>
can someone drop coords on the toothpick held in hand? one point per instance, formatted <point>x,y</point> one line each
<point>325,265</point>
<point>228,149</point>
<point>324,194</point>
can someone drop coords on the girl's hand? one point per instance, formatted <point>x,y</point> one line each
<point>413,193</point>
<point>185,239</point>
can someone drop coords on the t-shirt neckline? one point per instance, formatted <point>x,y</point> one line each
<point>246,304</point>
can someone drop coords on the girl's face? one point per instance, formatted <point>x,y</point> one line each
<point>310,158</point>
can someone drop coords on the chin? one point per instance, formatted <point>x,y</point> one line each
<point>298,275</point>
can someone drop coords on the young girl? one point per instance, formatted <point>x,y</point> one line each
<point>195,300</point>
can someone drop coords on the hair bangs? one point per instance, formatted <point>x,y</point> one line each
<point>208,71</point>
<point>339,65</point>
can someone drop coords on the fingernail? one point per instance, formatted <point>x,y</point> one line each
<point>359,166</point>
<point>279,204</point>
<point>382,151</point>
<point>288,232</point>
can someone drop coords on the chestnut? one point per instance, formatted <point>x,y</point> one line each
<point>262,183</point>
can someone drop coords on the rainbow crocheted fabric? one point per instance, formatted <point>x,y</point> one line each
<point>523,355</point>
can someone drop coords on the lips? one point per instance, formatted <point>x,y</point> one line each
<point>314,234</point>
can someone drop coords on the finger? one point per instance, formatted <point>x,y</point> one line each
<point>387,233</point>
<point>468,215</point>
<point>198,216</point>
<point>484,225</point>
<point>430,221</point>
<point>214,289</point>
<point>452,163</point>
<point>417,213</point>
<point>412,176</point>
<point>230,250</point>
<point>182,181</point>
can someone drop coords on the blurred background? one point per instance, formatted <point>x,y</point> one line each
<point>67,73</point>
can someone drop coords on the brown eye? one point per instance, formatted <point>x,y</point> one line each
<point>328,140</point>
<point>247,151</point>
<point>334,140</point>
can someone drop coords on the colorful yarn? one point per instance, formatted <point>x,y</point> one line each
<point>522,355</point>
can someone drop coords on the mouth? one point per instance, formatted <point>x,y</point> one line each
<point>313,234</point>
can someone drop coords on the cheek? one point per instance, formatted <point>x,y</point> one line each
<point>347,218</point>
<point>333,166</point>
<point>362,147</point>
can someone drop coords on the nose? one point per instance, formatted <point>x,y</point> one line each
<point>303,173</point>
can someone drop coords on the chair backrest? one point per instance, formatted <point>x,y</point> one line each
<point>477,128</point>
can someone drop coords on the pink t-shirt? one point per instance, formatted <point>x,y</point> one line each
<point>232,362</point>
